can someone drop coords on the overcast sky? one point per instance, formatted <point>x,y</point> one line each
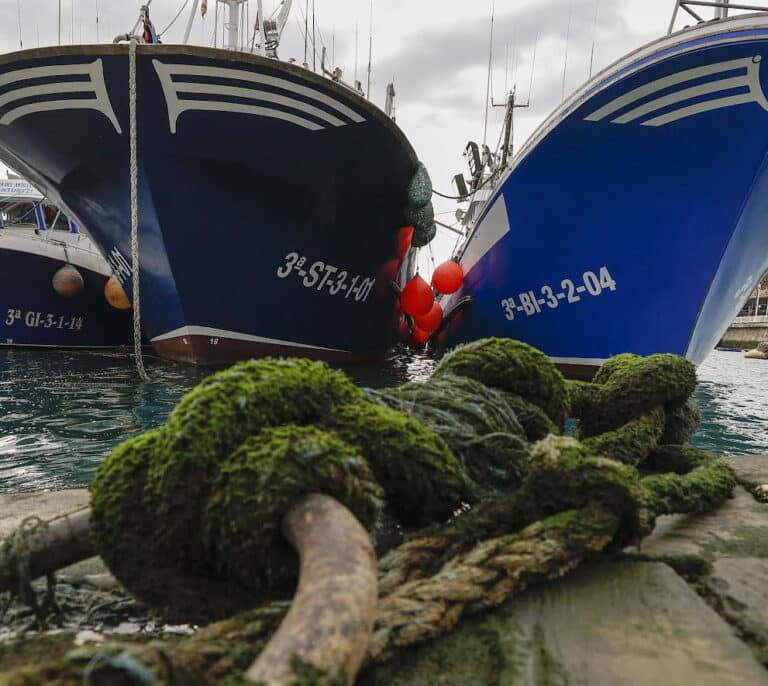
<point>435,51</point>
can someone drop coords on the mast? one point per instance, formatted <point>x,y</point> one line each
<point>233,22</point>
<point>370,52</point>
<point>306,33</point>
<point>59,22</point>
<point>488,83</point>
<point>314,39</point>
<point>191,21</point>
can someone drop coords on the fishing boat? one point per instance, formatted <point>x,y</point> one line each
<point>268,197</point>
<point>56,289</point>
<point>635,218</point>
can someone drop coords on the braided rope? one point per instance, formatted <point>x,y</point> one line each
<point>132,98</point>
<point>488,575</point>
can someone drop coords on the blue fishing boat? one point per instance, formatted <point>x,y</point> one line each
<point>269,197</point>
<point>55,286</point>
<point>635,219</point>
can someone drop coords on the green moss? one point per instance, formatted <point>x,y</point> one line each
<point>581,395</point>
<point>532,418</point>
<point>423,479</point>
<point>217,655</point>
<point>638,385</point>
<point>618,363</point>
<point>150,494</point>
<point>565,475</point>
<point>474,420</point>
<point>694,480</point>
<point>682,423</point>
<point>513,367</point>
<point>123,524</point>
<point>260,483</point>
<point>632,442</point>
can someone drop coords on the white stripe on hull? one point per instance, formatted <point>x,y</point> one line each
<point>94,86</point>
<point>171,77</point>
<point>749,79</point>
<point>209,332</point>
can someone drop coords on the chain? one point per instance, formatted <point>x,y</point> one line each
<point>135,213</point>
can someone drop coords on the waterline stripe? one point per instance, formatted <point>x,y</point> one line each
<point>221,333</point>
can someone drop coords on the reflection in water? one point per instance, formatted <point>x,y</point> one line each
<point>62,412</point>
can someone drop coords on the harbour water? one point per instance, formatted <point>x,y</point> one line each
<point>61,412</point>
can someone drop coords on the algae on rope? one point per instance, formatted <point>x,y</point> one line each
<point>187,515</point>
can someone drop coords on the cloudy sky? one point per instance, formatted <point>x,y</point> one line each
<point>435,51</point>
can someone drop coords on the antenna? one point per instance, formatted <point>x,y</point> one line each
<point>488,84</point>
<point>506,71</point>
<point>97,22</point>
<point>357,36</point>
<point>594,39</point>
<point>59,22</point>
<point>306,33</point>
<point>370,52</point>
<point>567,44</point>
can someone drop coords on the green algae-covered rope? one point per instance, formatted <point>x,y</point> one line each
<point>572,499</point>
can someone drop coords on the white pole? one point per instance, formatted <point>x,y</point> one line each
<point>59,22</point>
<point>233,14</point>
<point>191,21</point>
<point>262,32</point>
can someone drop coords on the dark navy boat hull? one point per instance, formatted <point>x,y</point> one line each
<point>636,219</point>
<point>269,198</point>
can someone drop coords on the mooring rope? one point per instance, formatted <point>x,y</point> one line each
<point>132,97</point>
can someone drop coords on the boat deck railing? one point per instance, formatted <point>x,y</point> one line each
<point>721,8</point>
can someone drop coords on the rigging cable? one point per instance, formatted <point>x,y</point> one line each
<point>594,39</point>
<point>567,43</point>
<point>468,195</point>
<point>533,66</point>
<point>175,19</point>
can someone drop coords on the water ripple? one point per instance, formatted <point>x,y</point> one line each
<point>61,412</point>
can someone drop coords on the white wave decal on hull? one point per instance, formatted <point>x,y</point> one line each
<point>688,97</point>
<point>495,225</point>
<point>92,93</point>
<point>178,84</point>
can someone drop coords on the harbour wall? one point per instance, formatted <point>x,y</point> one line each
<point>746,332</point>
